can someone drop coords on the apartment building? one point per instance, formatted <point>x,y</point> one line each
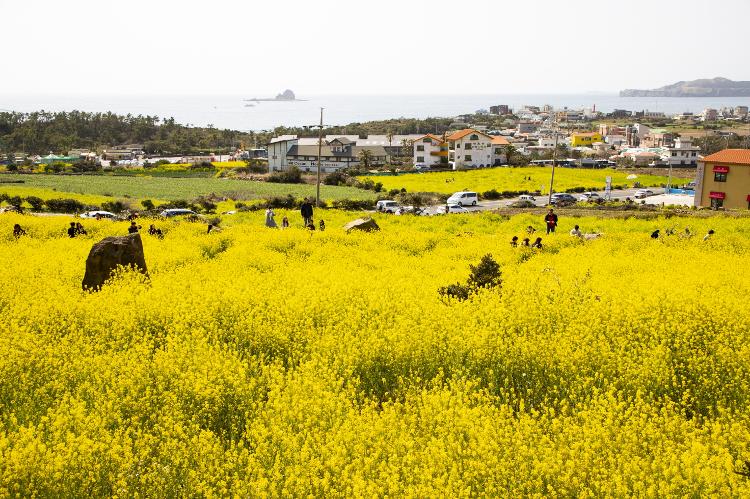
<point>471,148</point>
<point>431,150</point>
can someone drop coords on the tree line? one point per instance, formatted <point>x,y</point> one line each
<point>43,132</point>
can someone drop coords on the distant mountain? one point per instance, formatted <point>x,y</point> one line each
<point>715,87</point>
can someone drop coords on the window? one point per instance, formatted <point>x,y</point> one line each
<point>420,159</point>
<point>467,157</point>
<point>717,203</point>
<point>474,137</point>
<point>497,150</point>
<point>420,148</point>
<point>674,154</point>
<point>427,140</point>
<point>720,177</point>
<point>467,146</point>
<point>693,154</point>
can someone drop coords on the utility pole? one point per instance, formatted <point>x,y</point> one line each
<point>554,163</point>
<point>320,148</point>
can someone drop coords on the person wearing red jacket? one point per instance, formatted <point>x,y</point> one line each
<point>551,220</point>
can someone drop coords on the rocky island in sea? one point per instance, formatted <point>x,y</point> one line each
<point>286,95</point>
<point>709,87</point>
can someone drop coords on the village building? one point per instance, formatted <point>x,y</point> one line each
<point>431,151</point>
<point>584,139</point>
<point>335,154</point>
<point>471,148</point>
<point>682,153</point>
<point>723,180</point>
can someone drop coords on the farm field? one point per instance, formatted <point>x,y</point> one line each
<point>513,179</point>
<point>260,362</point>
<point>169,189</point>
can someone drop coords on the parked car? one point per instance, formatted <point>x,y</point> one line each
<point>177,212</point>
<point>420,167</point>
<point>451,208</point>
<point>527,197</point>
<point>464,198</point>
<point>99,214</point>
<point>562,199</point>
<point>589,196</point>
<point>643,193</point>
<point>387,206</point>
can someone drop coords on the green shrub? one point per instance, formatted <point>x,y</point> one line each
<point>148,204</point>
<point>484,275</point>
<point>491,194</point>
<point>354,204</point>
<point>64,205</point>
<point>36,203</point>
<point>114,206</point>
<point>291,176</point>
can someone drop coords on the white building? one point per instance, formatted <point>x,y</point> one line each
<point>430,150</point>
<point>472,149</point>
<point>335,154</point>
<point>710,114</point>
<point>682,154</point>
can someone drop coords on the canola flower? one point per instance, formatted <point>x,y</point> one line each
<point>260,362</point>
<point>530,178</point>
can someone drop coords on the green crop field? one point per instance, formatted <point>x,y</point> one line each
<point>530,178</point>
<point>168,188</point>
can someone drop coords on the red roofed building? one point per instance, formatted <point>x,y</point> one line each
<point>723,180</point>
<point>430,150</point>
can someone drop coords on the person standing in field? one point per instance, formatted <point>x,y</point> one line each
<point>285,222</point>
<point>307,212</point>
<point>322,225</point>
<point>18,231</point>
<point>72,232</point>
<point>270,222</point>
<point>551,220</point>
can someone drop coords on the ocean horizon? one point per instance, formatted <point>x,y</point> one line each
<point>233,112</point>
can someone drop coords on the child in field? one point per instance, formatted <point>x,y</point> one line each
<point>525,242</point>
<point>514,242</point>
<point>708,235</point>
<point>18,231</point>
<point>285,222</point>
<point>576,232</point>
<point>322,225</point>
<point>538,243</point>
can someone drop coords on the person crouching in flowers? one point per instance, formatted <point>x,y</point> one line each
<point>538,243</point>
<point>525,242</point>
<point>18,231</point>
<point>514,242</point>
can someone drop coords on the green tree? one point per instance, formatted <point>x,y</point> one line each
<point>365,158</point>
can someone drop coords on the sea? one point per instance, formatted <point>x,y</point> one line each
<point>234,112</point>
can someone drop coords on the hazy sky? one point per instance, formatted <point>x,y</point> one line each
<point>385,47</point>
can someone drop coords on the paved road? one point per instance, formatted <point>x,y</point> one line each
<point>541,201</point>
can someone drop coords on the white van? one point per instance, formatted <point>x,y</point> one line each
<point>387,206</point>
<point>464,198</point>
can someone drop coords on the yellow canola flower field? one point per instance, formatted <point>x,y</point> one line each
<point>261,362</point>
<point>527,178</point>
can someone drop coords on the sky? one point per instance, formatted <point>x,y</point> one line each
<point>327,47</point>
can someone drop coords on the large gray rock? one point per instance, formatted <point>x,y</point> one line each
<point>109,253</point>
<point>364,224</point>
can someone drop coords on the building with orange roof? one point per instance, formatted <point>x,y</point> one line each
<point>470,148</point>
<point>430,151</point>
<point>723,180</point>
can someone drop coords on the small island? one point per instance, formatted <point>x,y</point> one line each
<point>285,96</point>
<point>709,87</point>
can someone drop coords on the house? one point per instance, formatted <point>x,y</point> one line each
<point>682,153</point>
<point>526,127</point>
<point>657,137</point>
<point>584,139</point>
<point>335,154</point>
<point>471,148</point>
<point>710,114</point>
<point>431,150</point>
<point>741,111</point>
<point>635,133</point>
<point>723,180</point>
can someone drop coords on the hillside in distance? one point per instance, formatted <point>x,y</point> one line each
<point>714,87</point>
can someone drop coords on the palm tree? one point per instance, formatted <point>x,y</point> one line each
<point>365,158</point>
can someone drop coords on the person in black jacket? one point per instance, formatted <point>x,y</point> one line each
<point>72,231</point>
<point>307,212</point>
<point>551,220</point>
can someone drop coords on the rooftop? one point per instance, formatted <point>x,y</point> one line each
<point>733,156</point>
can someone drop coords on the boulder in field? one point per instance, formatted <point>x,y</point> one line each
<point>109,253</point>
<point>363,224</point>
